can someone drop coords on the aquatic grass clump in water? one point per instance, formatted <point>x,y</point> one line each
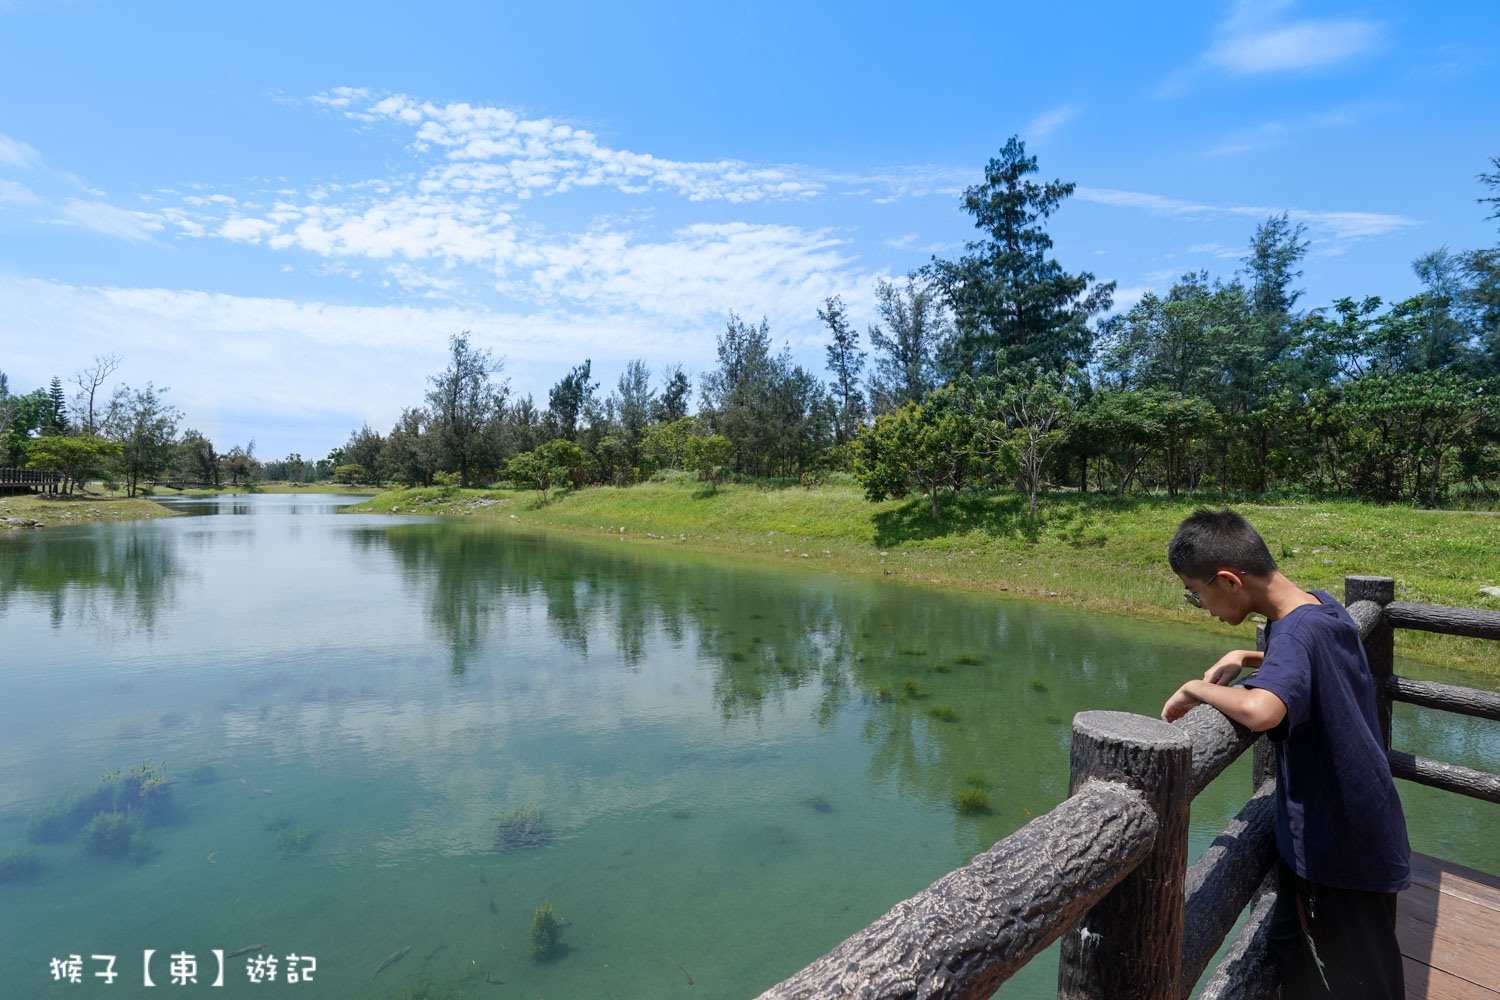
<point>20,864</point>
<point>524,826</point>
<point>944,713</point>
<point>546,932</point>
<point>820,802</point>
<point>116,835</point>
<point>292,842</point>
<point>939,667</point>
<point>972,802</point>
<point>144,789</point>
<point>967,659</point>
<point>909,689</point>
<point>735,656</point>
<point>883,693</point>
<point>976,780</point>
<point>911,652</point>
<point>1037,684</point>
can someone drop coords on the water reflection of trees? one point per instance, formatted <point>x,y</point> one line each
<point>134,569</point>
<point>775,639</point>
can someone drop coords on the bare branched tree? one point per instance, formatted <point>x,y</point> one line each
<point>89,380</point>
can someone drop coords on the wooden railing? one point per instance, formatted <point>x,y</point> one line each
<point>1106,870</point>
<point>14,480</point>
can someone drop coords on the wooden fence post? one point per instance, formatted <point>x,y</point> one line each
<point>1380,645</point>
<point>1129,945</point>
<point>1262,752</point>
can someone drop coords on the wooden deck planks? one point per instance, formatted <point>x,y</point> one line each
<point>1448,924</point>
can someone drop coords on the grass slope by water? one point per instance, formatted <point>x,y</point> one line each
<point>1088,551</point>
<point>54,511</point>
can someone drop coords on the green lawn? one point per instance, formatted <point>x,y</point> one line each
<point>1088,550</point>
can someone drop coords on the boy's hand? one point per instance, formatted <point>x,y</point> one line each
<point>1228,666</point>
<point>1178,705</point>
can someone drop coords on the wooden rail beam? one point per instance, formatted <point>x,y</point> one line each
<point>1223,879</point>
<point>1246,973</point>
<point>1218,742</point>
<point>1449,777</point>
<point>1449,621</point>
<point>969,931</point>
<point>1447,697</point>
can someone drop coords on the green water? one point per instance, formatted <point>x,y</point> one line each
<point>727,790</point>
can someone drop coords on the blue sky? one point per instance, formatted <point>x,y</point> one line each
<point>282,210</point>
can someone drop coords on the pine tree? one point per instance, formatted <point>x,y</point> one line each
<point>1010,300</point>
<point>55,420</point>
<point>846,361</point>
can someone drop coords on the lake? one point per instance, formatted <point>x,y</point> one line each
<point>365,733</point>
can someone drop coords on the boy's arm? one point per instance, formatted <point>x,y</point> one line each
<point>1228,666</point>
<point>1255,708</point>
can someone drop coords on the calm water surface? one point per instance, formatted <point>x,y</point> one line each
<point>732,770</point>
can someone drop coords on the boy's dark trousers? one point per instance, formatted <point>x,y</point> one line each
<point>1334,943</point>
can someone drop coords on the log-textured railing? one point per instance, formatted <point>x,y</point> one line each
<point>1106,870</point>
<point>14,480</point>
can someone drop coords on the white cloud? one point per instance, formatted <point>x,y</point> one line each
<point>1256,39</point>
<point>15,153</point>
<point>1278,132</point>
<point>110,220</point>
<point>1048,122</point>
<point>1325,224</point>
<point>1253,48</point>
<point>491,149</point>
<point>14,193</point>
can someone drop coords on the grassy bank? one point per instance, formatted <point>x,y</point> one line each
<point>226,489</point>
<point>1088,551</point>
<point>77,509</point>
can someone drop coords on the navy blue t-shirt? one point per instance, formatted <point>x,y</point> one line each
<point>1338,818</point>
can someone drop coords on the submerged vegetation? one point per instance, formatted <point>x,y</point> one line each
<point>523,826</point>
<point>111,816</point>
<point>19,864</point>
<point>546,933</point>
<point>972,802</point>
<point>117,835</point>
<point>291,842</point>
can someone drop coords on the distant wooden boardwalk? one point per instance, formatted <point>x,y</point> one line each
<point>14,480</point>
<point>1448,923</point>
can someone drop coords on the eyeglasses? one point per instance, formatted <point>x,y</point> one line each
<point>1192,596</point>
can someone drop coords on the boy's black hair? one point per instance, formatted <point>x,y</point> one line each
<point>1211,540</point>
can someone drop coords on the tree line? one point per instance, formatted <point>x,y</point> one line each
<point>998,368</point>
<point>125,437</point>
